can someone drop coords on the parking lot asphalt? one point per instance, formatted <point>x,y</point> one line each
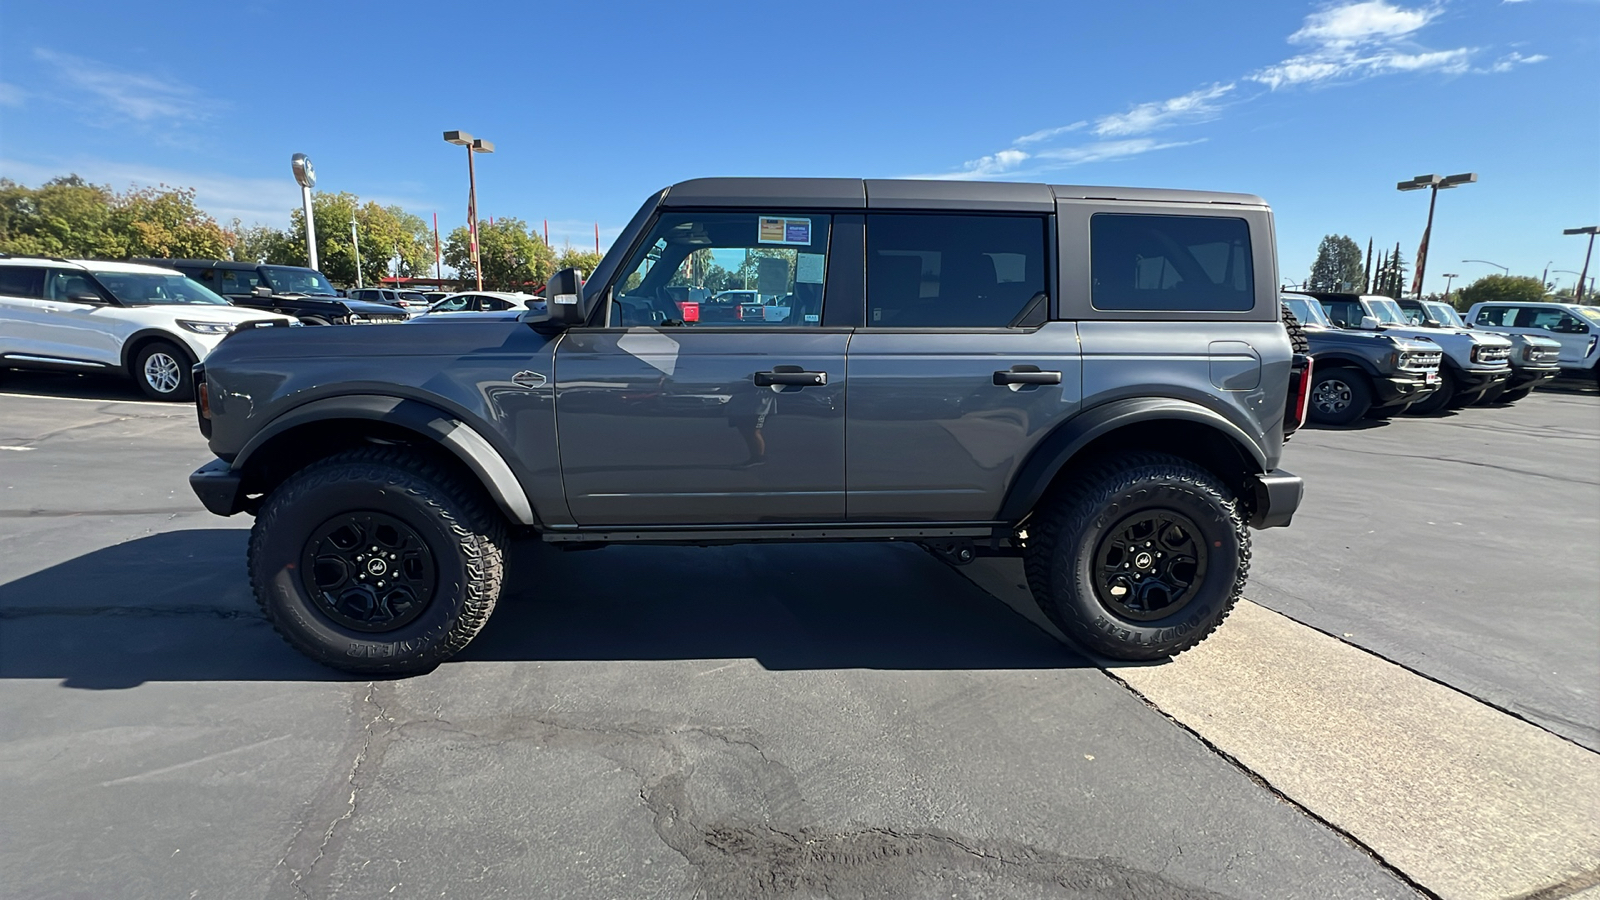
<point>840,720</point>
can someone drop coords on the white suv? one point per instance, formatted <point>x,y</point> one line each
<point>1577,328</point>
<point>146,322</point>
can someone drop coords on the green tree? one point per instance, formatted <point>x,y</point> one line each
<point>258,243</point>
<point>71,217</point>
<point>1390,279</point>
<point>391,240</point>
<point>584,261</point>
<point>163,221</point>
<point>514,257</point>
<point>1338,266</point>
<point>1500,289</point>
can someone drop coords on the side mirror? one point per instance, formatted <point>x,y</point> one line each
<point>262,290</point>
<point>1368,323</point>
<point>564,296</point>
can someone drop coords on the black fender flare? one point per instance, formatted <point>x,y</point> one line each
<point>144,335</point>
<point>1058,448</point>
<point>460,438</point>
<point>1327,359</point>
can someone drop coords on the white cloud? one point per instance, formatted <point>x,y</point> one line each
<point>1512,60</point>
<point>1048,133</point>
<point>11,95</point>
<point>1361,22</point>
<point>1195,106</point>
<point>1361,40</point>
<point>1104,151</point>
<point>124,94</point>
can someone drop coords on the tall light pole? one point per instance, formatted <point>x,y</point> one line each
<point>307,177</point>
<point>1590,231</point>
<point>1436,183</point>
<point>1448,277</point>
<point>1570,272</point>
<point>1503,269</point>
<point>473,145</point>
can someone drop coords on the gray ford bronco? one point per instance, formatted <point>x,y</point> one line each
<point>1094,379</point>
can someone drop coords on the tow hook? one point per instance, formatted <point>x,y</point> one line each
<point>955,551</point>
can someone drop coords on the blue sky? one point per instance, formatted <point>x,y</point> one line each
<point>1319,107</point>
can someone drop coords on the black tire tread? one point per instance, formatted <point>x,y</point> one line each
<point>479,527</point>
<point>1075,504</point>
<point>1297,332</point>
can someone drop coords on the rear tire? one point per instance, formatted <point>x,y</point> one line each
<point>1090,575</point>
<point>1339,396</point>
<point>1298,341</point>
<point>377,560</point>
<point>163,372</point>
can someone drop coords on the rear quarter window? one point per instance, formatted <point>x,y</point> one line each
<point>1170,263</point>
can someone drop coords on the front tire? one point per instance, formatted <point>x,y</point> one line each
<point>1140,559</point>
<point>163,372</point>
<point>1339,397</point>
<point>1514,396</point>
<point>377,560</point>
<point>1441,398</point>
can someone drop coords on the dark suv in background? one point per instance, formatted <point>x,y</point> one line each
<point>292,290</point>
<point>1361,374</point>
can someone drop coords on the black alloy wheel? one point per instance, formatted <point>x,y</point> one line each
<point>368,571</point>
<point>1149,565</point>
<point>1338,397</point>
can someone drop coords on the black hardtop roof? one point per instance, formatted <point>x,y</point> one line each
<point>868,193</point>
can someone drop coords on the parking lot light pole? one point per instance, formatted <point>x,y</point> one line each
<point>1503,269</point>
<point>1436,184</point>
<point>1590,231</point>
<point>1448,277</point>
<point>1570,272</point>
<point>473,145</point>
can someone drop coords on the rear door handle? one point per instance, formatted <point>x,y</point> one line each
<point>790,375</point>
<point>1026,375</point>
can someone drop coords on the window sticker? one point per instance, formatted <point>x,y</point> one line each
<point>779,230</point>
<point>808,268</point>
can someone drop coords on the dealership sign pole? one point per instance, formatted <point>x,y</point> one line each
<point>307,177</point>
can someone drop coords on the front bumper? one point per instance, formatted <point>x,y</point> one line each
<point>1277,495</point>
<point>1531,376</point>
<point>1401,388</point>
<point>219,487</point>
<point>1476,381</point>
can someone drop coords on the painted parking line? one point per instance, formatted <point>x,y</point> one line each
<point>1465,800</point>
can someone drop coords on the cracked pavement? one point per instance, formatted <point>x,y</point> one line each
<point>790,721</point>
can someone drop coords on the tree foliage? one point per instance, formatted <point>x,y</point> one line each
<point>514,257</point>
<point>1500,289</point>
<point>68,216</point>
<point>1338,266</point>
<point>584,261</point>
<point>392,241</point>
<point>1389,279</point>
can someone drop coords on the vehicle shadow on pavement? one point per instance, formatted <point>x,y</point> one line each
<point>177,606</point>
<point>69,384</point>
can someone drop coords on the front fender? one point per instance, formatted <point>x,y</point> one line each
<point>1061,445</point>
<point>458,437</point>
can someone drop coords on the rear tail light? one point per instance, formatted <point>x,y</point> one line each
<point>1299,393</point>
<point>691,312</point>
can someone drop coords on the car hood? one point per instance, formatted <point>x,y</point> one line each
<point>1452,335</point>
<point>215,312</point>
<point>1354,339</point>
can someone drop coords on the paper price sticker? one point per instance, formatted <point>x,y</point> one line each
<point>782,230</point>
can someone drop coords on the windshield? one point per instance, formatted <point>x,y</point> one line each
<point>1387,311</point>
<point>1590,313</point>
<point>295,280</point>
<point>1445,314</point>
<point>413,295</point>
<point>152,289</point>
<point>1308,311</point>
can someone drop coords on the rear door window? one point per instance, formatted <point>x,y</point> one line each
<point>1170,263</point>
<point>20,281</point>
<point>953,271</point>
<point>1500,316</point>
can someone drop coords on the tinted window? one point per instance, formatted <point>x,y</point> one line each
<point>231,281</point>
<point>945,271</point>
<point>1343,313</point>
<point>1191,263</point>
<point>64,284</point>
<point>20,281</point>
<point>1497,315</point>
<point>726,269</point>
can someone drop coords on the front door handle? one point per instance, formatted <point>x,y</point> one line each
<point>790,375</point>
<point>1026,375</point>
